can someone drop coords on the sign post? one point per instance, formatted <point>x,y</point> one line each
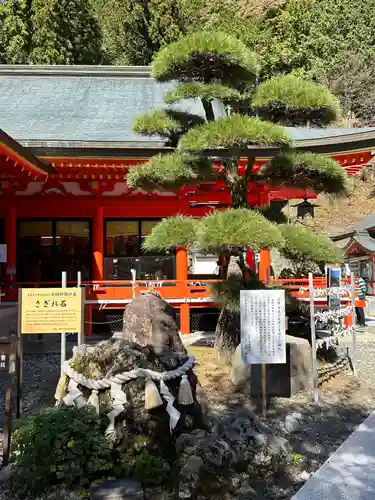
<point>51,310</point>
<point>313,339</point>
<point>263,331</point>
<point>354,319</point>
<point>7,370</point>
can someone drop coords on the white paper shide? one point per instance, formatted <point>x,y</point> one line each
<point>263,326</point>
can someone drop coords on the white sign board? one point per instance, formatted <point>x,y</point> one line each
<point>3,253</point>
<point>263,326</point>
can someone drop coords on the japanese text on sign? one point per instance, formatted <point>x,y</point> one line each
<point>5,355</point>
<point>263,326</point>
<point>51,310</point>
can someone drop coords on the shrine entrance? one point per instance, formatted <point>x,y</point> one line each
<point>45,248</point>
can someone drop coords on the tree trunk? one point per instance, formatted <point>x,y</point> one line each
<point>227,334</point>
<point>237,185</point>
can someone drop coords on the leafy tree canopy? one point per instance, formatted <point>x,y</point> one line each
<point>208,57</point>
<point>235,131</point>
<point>170,171</point>
<point>14,31</point>
<point>306,170</point>
<point>301,245</point>
<point>134,31</point>
<point>291,100</point>
<point>237,229</point>
<point>173,232</point>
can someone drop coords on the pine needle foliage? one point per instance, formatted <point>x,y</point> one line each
<point>303,245</point>
<point>167,123</point>
<point>291,100</point>
<point>234,131</point>
<point>226,293</point>
<point>237,230</point>
<point>170,171</point>
<point>206,56</point>
<point>208,92</point>
<point>173,232</point>
<point>306,170</point>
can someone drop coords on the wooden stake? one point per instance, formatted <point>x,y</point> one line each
<point>264,390</point>
<point>7,422</point>
<point>313,339</point>
<point>354,319</point>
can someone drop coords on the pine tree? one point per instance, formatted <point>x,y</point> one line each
<point>64,32</point>
<point>212,66</point>
<point>14,31</point>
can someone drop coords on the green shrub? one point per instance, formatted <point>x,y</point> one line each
<point>150,469</point>
<point>60,446</point>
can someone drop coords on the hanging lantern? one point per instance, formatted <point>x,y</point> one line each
<point>305,208</point>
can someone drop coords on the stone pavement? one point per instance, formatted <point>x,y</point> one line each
<point>349,473</point>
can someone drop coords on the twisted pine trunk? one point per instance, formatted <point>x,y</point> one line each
<point>227,333</point>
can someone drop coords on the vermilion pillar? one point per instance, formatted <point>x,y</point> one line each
<point>98,245</point>
<point>264,265</point>
<point>10,223</point>
<point>182,275</point>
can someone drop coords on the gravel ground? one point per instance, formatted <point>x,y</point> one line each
<point>315,431</point>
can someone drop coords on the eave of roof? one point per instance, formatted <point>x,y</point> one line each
<point>32,164</point>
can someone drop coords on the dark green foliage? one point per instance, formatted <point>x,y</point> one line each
<point>170,172</point>
<point>303,245</point>
<point>291,100</point>
<point>167,123</point>
<point>234,132</point>
<point>306,170</point>
<point>149,469</point>
<point>237,229</point>
<point>134,31</point>
<point>64,32</point>
<point>227,292</point>
<point>14,31</point>
<point>271,214</point>
<point>173,232</point>
<point>352,79</point>
<point>206,56</point>
<point>60,446</point>
<point>208,92</point>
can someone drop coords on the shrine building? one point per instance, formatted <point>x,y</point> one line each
<point>66,143</point>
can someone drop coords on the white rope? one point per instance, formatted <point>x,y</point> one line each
<point>323,292</point>
<point>122,378</point>
<point>75,397</point>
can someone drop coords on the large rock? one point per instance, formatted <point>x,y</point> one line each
<point>149,430</point>
<point>150,320</point>
<point>287,379</point>
<point>240,374</point>
<point>241,444</point>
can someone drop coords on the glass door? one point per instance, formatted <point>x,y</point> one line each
<point>47,247</point>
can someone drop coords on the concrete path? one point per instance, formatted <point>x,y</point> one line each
<point>349,474</point>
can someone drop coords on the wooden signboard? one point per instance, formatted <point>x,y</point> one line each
<point>52,310</point>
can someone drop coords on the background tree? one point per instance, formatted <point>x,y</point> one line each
<point>14,31</point>
<point>64,32</point>
<point>352,79</point>
<point>134,31</point>
<point>213,67</point>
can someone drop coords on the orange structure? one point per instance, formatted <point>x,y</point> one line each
<point>65,204</point>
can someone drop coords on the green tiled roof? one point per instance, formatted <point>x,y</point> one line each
<point>64,105</point>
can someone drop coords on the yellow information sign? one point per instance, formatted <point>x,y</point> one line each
<point>52,310</point>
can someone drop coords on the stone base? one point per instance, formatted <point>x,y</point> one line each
<point>286,380</point>
<point>116,489</point>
